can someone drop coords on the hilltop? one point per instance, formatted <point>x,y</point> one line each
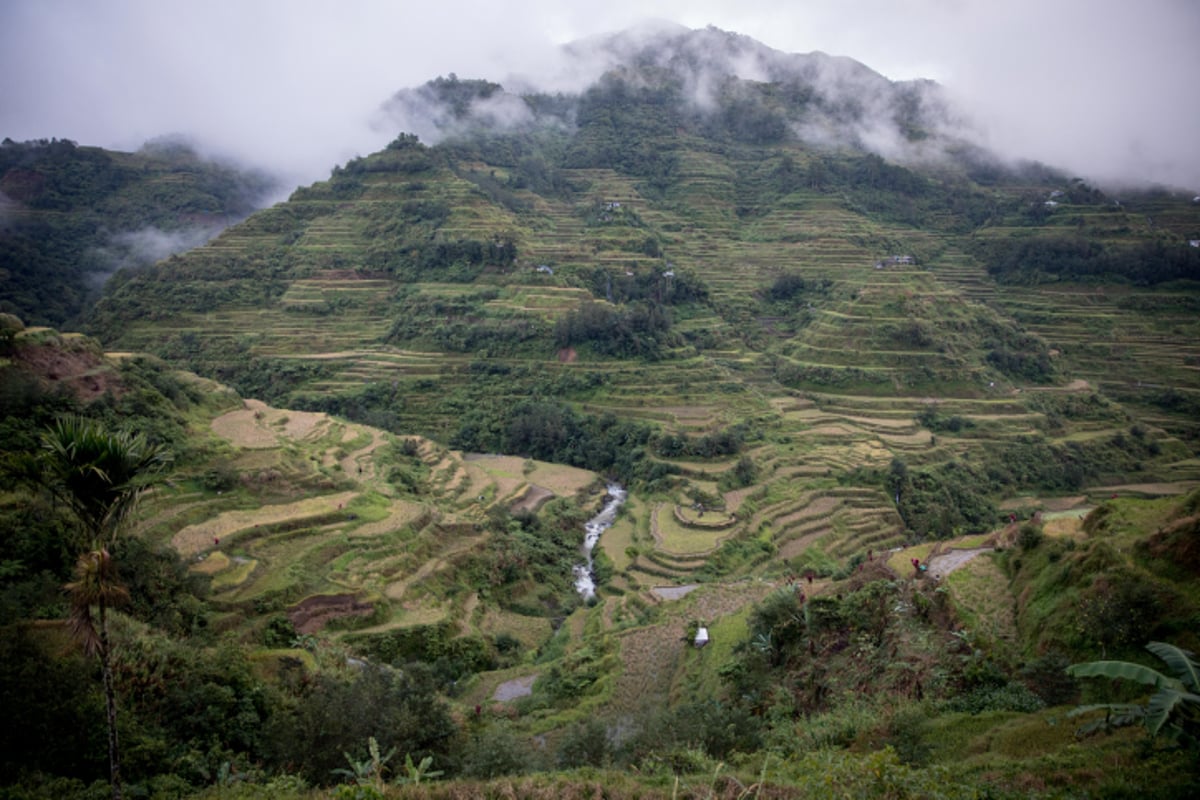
<point>814,331</point>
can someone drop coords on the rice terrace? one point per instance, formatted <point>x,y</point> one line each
<point>905,439</point>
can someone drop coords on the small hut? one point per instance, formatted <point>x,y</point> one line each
<point>701,637</point>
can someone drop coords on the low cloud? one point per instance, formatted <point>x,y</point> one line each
<point>143,247</point>
<point>1102,87</point>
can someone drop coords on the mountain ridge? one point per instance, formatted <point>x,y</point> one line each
<point>849,100</point>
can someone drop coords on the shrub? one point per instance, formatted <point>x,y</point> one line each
<point>1030,536</point>
<point>1008,697</point>
<point>906,734</point>
<point>496,751</point>
<point>1046,677</point>
<point>585,745</point>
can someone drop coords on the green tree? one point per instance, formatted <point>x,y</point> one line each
<point>401,709</point>
<point>10,326</point>
<point>99,476</point>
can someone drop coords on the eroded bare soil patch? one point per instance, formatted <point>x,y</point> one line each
<point>314,613</point>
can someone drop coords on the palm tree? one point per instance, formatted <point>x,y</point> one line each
<point>1173,709</point>
<point>99,476</point>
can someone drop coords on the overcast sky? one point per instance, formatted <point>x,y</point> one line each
<point>1106,88</point>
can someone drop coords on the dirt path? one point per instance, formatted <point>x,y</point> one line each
<point>943,564</point>
<point>533,499</point>
<point>673,592</point>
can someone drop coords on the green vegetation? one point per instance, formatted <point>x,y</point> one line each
<point>906,442</point>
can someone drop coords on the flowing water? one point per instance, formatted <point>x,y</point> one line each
<point>585,584</point>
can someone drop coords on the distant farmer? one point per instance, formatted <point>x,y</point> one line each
<point>216,541</point>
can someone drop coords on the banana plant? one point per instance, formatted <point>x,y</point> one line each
<point>1172,710</point>
<point>415,773</point>
<point>368,772</point>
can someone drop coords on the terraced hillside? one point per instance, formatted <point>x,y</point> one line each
<point>830,382</point>
<point>836,353</point>
<point>329,520</point>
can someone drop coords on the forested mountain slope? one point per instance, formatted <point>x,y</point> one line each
<point>71,216</point>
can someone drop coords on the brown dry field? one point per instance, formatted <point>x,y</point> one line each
<point>311,614</point>
<point>829,430</point>
<point>821,506</point>
<point>982,588</point>
<point>509,473</point>
<point>400,513</point>
<point>1155,489</point>
<point>257,425</point>
<point>505,471</point>
<point>880,422</point>
<point>919,437</point>
<point>199,537</point>
<point>651,655</point>
<point>243,430</point>
<point>531,631</point>
<point>794,547</point>
<point>734,499</point>
<point>359,461</point>
<point>562,480</point>
<point>1065,525</point>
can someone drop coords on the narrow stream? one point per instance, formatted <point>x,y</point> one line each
<point>585,584</point>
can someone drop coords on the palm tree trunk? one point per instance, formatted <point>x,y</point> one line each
<point>110,700</point>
